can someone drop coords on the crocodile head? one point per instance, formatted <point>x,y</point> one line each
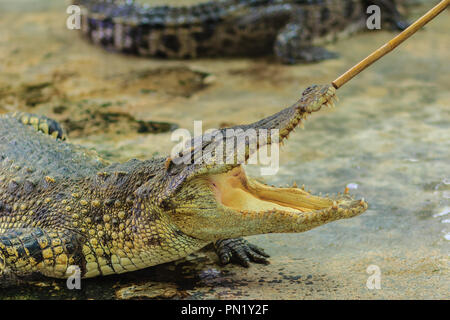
<point>215,199</point>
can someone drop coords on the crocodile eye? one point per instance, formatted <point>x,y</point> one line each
<point>308,90</point>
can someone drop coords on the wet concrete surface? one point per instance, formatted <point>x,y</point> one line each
<point>388,140</point>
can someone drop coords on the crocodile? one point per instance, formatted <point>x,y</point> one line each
<point>294,30</point>
<point>63,205</point>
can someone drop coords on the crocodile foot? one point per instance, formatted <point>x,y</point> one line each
<point>41,123</point>
<point>239,251</point>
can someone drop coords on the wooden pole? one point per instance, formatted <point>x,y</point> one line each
<point>391,45</point>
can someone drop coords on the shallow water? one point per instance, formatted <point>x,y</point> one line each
<point>388,140</point>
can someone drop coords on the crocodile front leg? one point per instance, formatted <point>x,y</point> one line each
<point>240,251</point>
<point>27,251</point>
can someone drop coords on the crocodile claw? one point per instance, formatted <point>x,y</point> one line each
<point>240,251</point>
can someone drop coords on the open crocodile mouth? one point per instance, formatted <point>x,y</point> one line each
<point>236,191</point>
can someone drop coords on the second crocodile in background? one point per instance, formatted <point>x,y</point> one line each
<point>293,30</point>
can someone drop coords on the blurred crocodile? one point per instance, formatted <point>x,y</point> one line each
<point>292,29</point>
<point>63,205</point>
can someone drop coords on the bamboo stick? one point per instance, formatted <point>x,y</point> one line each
<point>391,45</point>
